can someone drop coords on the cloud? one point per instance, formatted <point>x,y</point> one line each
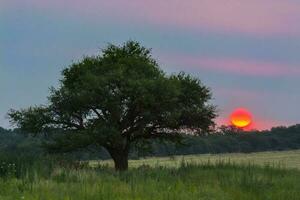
<point>258,17</point>
<point>238,66</point>
<point>255,17</point>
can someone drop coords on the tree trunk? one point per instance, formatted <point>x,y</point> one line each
<point>120,157</point>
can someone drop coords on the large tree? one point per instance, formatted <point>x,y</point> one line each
<point>118,99</point>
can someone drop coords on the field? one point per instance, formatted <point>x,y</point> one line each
<point>257,176</point>
<point>282,159</point>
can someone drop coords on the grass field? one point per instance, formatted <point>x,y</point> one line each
<point>282,159</point>
<point>223,177</point>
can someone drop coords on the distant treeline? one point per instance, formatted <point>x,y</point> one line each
<point>276,139</point>
<point>226,140</point>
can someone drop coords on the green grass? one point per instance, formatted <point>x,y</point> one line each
<point>165,178</point>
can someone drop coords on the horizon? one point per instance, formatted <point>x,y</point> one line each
<point>247,62</point>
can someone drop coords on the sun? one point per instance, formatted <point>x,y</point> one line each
<point>241,118</point>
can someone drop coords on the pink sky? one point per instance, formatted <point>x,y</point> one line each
<point>245,50</point>
<point>237,66</point>
<point>254,102</point>
<point>253,17</point>
<point>256,124</point>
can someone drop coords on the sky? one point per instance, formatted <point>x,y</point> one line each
<point>247,52</point>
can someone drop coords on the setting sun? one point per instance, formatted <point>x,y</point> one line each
<point>241,118</point>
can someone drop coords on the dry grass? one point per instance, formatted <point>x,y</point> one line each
<point>283,159</point>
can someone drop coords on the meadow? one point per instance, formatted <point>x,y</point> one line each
<point>282,159</point>
<point>255,176</point>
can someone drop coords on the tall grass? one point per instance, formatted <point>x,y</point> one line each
<point>224,181</point>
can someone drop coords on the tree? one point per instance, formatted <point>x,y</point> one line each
<point>229,129</point>
<point>116,100</point>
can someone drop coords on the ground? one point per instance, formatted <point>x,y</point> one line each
<point>257,176</point>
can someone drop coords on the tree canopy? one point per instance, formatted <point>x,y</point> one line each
<point>117,99</point>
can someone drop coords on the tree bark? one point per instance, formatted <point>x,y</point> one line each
<point>120,158</point>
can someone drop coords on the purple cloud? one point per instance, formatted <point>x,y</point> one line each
<point>255,17</point>
<point>236,66</point>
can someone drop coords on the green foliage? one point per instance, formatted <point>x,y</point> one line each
<point>118,99</point>
<point>13,143</point>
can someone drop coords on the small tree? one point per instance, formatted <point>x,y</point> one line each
<point>229,129</point>
<point>118,99</point>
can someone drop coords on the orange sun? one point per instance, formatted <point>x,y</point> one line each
<point>241,118</point>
